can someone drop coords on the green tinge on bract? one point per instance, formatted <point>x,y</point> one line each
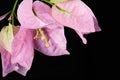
<point>6,37</point>
<point>57,1</point>
<point>63,10</point>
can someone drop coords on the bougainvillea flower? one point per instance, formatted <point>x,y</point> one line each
<point>16,51</point>
<point>51,40</point>
<point>42,28</point>
<point>56,40</point>
<point>76,15</point>
<point>25,12</point>
<point>54,32</point>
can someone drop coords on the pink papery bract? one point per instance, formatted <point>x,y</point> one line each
<point>54,32</point>
<point>23,50</point>
<point>26,16</point>
<point>57,40</point>
<point>22,53</point>
<point>76,16</point>
<point>43,12</point>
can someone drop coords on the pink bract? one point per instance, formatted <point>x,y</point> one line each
<point>57,40</point>
<point>26,16</point>
<point>54,32</point>
<point>21,57</point>
<point>76,16</point>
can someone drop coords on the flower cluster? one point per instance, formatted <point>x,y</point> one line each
<point>42,28</point>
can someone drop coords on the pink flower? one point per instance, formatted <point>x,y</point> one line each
<point>17,49</point>
<point>42,28</point>
<point>49,39</point>
<point>76,15</point>
<point>56,41</point>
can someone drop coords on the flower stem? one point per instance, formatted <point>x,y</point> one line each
<point>13,11</point>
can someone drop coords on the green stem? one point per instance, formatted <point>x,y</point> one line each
<point>13,11</point>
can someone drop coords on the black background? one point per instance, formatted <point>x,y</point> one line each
<point>86,61</point>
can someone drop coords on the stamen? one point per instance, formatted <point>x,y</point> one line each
<point>43,37</point>
<point>36,35</point>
